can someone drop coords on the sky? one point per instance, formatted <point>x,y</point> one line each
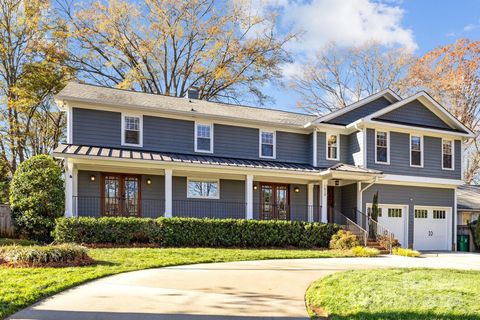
<point>419,25</point>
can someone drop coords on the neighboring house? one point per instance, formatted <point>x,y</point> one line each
<point>137,154</point>
<point>468,206</point>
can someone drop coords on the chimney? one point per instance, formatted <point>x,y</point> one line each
<point>192,93</point>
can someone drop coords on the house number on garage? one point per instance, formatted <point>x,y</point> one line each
<point>430,233</point>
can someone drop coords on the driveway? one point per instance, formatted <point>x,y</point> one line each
<point>271,289</point>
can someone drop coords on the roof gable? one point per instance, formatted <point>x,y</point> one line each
<point>360,112</point>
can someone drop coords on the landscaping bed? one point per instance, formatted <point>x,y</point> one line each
<point>396,294</point>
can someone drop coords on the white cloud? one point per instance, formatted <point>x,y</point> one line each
<point>470,27</point>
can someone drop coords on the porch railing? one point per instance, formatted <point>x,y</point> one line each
<point>281,211</point>
<point>347,224</point>
<point>376,231</point>
<point>117,206</point>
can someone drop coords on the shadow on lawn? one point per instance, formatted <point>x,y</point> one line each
<point>401,316</point>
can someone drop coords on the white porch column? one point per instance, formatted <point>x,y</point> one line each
<point>310,201</point>
<point>455,218</point>
<point>168,193</point>
<point>359,203</point>
<point>69,189</point>
<point>249,197</point>
<point>323,196</point>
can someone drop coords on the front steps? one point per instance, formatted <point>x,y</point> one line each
<point>375,244</point>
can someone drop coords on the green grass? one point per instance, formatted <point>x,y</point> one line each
<point>22,287</point>
<point>397,294</point>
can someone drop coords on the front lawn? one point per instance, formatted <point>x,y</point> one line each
<point>22,287</point>
<point>397,294</point>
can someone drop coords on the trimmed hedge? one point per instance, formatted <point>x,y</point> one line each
<point>45,256</point>
<point>192,232</point>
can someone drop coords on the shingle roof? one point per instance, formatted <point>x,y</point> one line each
<point>350,168</point>
<point>132,99</point>
<point>468,197</point>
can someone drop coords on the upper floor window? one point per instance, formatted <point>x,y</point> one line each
<point>203,137</point>
<point>132,130</point>
<point>447,154</point>
<point>416,151</point>
<point>333,143</point>
<point>381,147</point>
<point>203,189</point>
<point>267,144</point>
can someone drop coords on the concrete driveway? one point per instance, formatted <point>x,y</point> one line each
<point>271,289</point>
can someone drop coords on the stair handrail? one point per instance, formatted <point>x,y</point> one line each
<point>363,234</point>
<point>377,229</point>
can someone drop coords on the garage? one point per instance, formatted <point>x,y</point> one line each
<point>432,228</point>
<point>394,218</point>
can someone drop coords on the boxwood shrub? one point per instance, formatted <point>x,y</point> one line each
<point>193,232</point>
<point>45,256</point>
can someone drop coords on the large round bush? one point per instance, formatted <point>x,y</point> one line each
<point>37,197</point>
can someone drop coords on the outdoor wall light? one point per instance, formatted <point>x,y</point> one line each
<point>149,181</point>
<point>255,187</point>
<point>93,178</point>
<point>296,189</point>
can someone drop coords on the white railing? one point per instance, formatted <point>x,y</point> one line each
<point>347,224</point>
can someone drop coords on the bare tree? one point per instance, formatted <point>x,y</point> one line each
<point>340,76</point>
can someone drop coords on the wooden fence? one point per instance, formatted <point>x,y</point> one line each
<point>6,225</point>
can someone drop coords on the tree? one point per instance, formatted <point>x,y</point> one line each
<point>165,46</point>
<point>4,181</point>
<point>37,197</point>
<point>374,216</point>
<point>31,52</point>
<point>451,74</point>
<point>339,76</point>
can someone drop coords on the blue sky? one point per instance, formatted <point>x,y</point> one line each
<point>420,25</point>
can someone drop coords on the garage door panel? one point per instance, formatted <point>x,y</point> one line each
<point>393,218</point>
<point>431,228</point>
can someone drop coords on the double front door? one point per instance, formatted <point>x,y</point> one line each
<point>121,195</point>
<point>274,201</point>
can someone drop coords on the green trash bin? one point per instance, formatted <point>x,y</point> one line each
<point>463,242</point>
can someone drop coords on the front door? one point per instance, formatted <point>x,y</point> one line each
<point>330,203</point>
<point>121,195</point>
<point>274,201</point>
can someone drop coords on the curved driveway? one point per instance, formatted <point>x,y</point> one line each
<point>271,289</point>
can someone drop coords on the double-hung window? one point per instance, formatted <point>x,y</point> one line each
<point>203,137</point>
<point>382,146</point>
<point>203,189</point>
<point>132,130</point>
<point>416,151</point>
<point>447,155</point>
<point>333,143</point>
<point>267,144</point>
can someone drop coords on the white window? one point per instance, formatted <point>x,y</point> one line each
<point>267,144</point>
<point>421,214</point>
<point>132,130</point>
<point>447,155</point>
<point>439,214</point>
<point>394,212</point>
<point>416,151</point>
<point>203,189</point>
<point>382,147</point>
<point>203,137</point>
<point>333,146</point>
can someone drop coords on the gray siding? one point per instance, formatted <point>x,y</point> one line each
<point>349,200</point>
<point>230,205</point>
<point>169,135</point>
<point>353,147</point>
<point>298,203</point>
<point>293,147</point>
<point>96,128</point>
<point>415,113</point>
<point>233,141</point>
<point>322,161</point>
<point>400,157</point>
<point>361,112</point>
<point>153,196</point>
<point>411,196</point>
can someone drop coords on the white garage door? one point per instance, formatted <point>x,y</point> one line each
<point>432,228</point>
<point>393,217</point>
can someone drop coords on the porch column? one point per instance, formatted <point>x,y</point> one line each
<point>168,193</point>
<point>323,196</point>
<point>70,189</point>
<point>249,197</point>
<point>310,201</point>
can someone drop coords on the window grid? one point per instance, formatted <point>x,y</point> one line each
<point>131,127</point>
<point>394,212</point>
<point>447,154</point>
<point>332,149</point>
<point>382,146</point>
<point>421,213</point>
<point>203,141</point>
<point>439,214</point>
<point>267,144</point>
<point>202,189</point>
<point>415,151</point>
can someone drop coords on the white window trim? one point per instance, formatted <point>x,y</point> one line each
<point>410,150</point>
<point>453,155</point>
<point>338,145</point>
<point>388,147</point>
<point>211,137</point>
<point>140,132</point>
<point>203,180</point>
<point>260,131</point>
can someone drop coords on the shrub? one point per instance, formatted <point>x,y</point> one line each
<point>45,256</point>
<point>383,241</point>
<point>183,232</point>
<point>360,251</point>
<point>18,242</point>
<point>343,240</point>
<point>36,197</point>
<point>405,252</point>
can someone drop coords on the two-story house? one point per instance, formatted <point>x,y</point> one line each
<point>136,154</point>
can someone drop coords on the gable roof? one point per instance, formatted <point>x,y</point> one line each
<point>181,106</point>
<point>388,94</point>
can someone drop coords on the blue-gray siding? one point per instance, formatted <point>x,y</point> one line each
<point>415,113</point>
<point>94,127</point>
<point>400,157</point>
<point>411,196</point>
<point>360,112</point>
<point>234,141</point>
<point>322,161</point>
<point>349,200</point>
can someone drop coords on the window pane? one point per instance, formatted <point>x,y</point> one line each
<point>447,161</point>
<point>132,123</point>
<point>132,130</point>
<point>415,143</point>
<point>332,140</point>
<point>381,154</point>
<point>332,152</point>
<point>382,146</point>
<point>394,213</point>
<point>267,150</point>
<point>267,137</point>
<point>132,137</point>
<point>439,214</point>
<point>447,154</point>
<point>421,214</point>
<point>203,144</point>
<point>203,189</point>
<point>416,158</point>
<point>203,131</point>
